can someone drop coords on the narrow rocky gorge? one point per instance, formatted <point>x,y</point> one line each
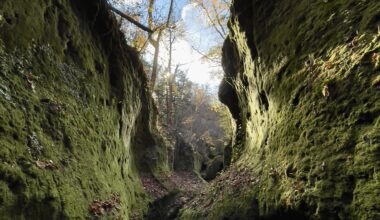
<point>78,124</point>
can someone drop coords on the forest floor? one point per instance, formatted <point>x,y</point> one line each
<point>186,182</point>
<point>188,190</point>
<point>171,193</point>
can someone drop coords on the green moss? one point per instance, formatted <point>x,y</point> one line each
<point>66,96</point>
<point>376,81</point>
<point>315,154</point>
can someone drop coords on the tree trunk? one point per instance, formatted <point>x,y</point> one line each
<point>153,77</point>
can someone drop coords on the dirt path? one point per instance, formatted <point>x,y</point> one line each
<point>170,193</point>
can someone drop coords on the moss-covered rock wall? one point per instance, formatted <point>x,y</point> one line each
<point>76,119</point>
<point>302,81</point>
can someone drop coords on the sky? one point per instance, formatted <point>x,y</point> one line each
<point>198,35</point>
<point>202,37</point>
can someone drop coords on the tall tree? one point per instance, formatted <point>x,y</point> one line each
<point>156,42</point>
<point>190,109</point>
<point>154,30</point>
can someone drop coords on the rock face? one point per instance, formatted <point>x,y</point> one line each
<point>185,157</point>
<point>302,82</point>
<point>76,119</point>
<point>204,160</point>
<point>212,168</point>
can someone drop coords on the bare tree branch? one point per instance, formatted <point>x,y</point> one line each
<point>218,20</point>
<point>169,13</point>
<point>130,19</point>
<point>214,60</point>
<point>150,13</point>
<point>214,25</point>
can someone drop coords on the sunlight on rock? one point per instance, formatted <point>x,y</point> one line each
<point>200,109</point>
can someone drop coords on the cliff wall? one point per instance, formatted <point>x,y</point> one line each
<point>302,82</point>
<point>77,122</point>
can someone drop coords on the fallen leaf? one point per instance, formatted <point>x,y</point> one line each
<point>31,84</point>
<point>375,57</point>
<point>323,165</point>
<point>325,91</point>
<point>329,65</point>
<point>98,207</point>
<point>43,164</point>
<point>354,43</point>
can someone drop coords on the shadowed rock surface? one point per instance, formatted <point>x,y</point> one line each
<point>76,118</point>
